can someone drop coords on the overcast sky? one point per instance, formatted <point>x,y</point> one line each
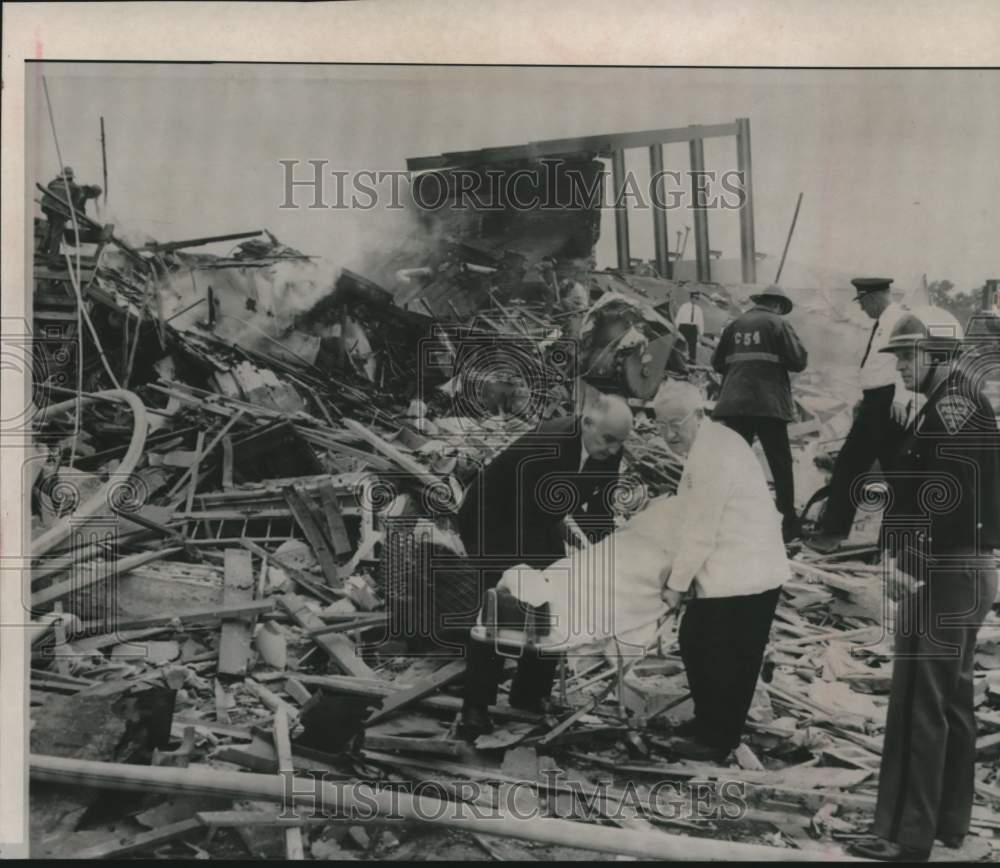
<point>899,169</point>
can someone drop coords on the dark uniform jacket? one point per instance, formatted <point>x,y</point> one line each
<point>513,511</point>
<point>945,483</point>
<point>78,196</point>
<point>754,355</point>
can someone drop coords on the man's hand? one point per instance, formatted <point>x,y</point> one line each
<point>899,583</point>
<point>672,598</point>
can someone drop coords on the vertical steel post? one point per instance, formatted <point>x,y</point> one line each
<point>748,250</point>
<point>661,238</point>
<point>621,213</point>
<point>700,212</point>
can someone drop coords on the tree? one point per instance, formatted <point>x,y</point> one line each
<point>959,304</point>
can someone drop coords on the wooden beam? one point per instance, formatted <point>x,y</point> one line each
<point>141,841</point>
<point>312,793</point>
<point>300,577</point>
<point>315,536</point>
<point>396,702</point>
<point>236,633</point>
<point>283,745</point>
<point>338,648</point>
<point>201,615</point>
<point>334,520</point>
<point>376,687</point>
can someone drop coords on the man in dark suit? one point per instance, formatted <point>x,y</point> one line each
<point>515,513</point>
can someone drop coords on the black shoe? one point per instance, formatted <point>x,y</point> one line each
<point>952,842</point>
<point>687,729</point>
<point>687,748</point>
<point>474,723</point>
<point>888,851</point>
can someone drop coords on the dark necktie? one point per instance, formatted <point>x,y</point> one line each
<point>868,349</point>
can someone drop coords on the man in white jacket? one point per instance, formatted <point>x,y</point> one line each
<point>729,566</point>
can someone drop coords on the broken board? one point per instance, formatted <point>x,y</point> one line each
<point>236,633</point>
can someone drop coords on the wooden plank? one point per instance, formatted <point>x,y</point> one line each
<point>334,520</point>
<point>431,746</point>
<point>201,615</point>
<point>227,463</point>
<point>300,577</point>
<point>283,745</point>
<point>398,701</point>
<point>297,690</point>
<point>271,699</point>
<point>431,811</point>
<point>236,634</point>
<point>314,533</point>
<point>141,841</point>
<point>338,648</point>
<point>377,687</point>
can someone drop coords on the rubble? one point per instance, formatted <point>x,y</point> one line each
<point>215,523</point>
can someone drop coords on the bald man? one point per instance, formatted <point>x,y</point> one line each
<point>515,512</point>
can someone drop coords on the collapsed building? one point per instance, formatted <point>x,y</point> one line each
<point>245,464</point>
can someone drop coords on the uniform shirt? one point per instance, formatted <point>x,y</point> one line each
<point>946,485</point>
<point>879,369</point>
<point>690,314</point>
<point>731,542</point>
<point>754,355</point>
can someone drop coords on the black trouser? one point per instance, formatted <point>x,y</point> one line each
<point>927,777</point>
<point>56,227</point>
<point>773,435</point>
<point>690,332</point>
<point>722,643</point>
<point>532,683</point>
<point>872,436</point>
<point>535,672</point>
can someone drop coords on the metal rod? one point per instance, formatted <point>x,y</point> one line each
<point>661,236</point>
<point>700,211</point>
<point>104,163</point>
<point>621,212</point>
<point>788,240</point>
<point>748,250</point>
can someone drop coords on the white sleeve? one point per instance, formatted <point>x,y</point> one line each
<point>706,487</point>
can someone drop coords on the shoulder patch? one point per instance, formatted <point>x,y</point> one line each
<point>955,410</point>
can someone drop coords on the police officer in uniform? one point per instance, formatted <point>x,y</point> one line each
<point>875,431</point>
<point>755,354</point>
<point>939,528</point>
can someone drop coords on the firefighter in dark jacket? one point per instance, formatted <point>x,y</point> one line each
<point>514,513</point>
<point>754,355</point>
<point>57,213</point>
<point>940,526</point>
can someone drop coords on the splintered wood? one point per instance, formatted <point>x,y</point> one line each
<point>236,633</point>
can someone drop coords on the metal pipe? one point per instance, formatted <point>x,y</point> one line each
<point>55,535</point>
<point>621,212</point>
<point>788,240</point>
<point>367,801</point>
<point>700,211</point>
<point>748,250</point>
<point>661,237</point>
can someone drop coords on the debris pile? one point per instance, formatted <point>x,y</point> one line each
<point>218,493</point>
